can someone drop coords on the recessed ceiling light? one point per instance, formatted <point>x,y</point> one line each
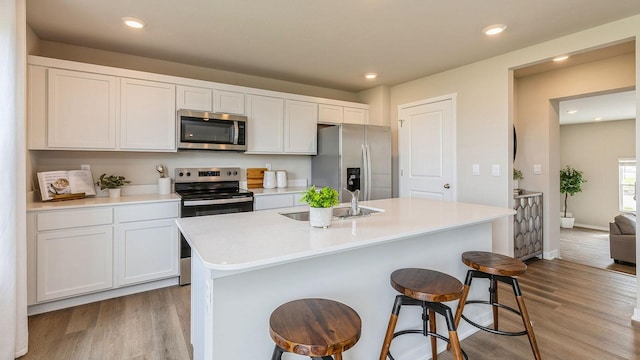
<point>494,29</point>
<point>571,112</point>
<point>371,75</point>
<point>561,58</point>
<point>133,22</point>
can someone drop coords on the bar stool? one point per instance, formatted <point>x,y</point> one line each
<point>496,267</point>
<point>428,289</point>
<point>318,328</point>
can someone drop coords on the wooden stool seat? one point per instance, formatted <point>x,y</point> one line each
<point>496,268</point>
<point>496,264</point>
<point>317,328</point>
<point>426,285</point>
<point>427,289</point>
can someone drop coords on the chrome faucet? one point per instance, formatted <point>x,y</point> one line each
<point>355,210</point>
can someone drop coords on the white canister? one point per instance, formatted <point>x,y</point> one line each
<point>281,178</point>
<point>164,185</point>
<point>269,180</point>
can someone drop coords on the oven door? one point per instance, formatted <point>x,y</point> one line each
<point>191,208</point>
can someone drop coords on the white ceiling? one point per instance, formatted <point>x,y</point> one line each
<point>330,43</point>
<point>608,107</point>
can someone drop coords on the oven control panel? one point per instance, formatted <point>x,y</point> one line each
<point>207,174</point>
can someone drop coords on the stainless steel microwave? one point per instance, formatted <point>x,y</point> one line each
<point>200,130</point>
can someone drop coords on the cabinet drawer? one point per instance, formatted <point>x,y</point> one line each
<point>64,219</point>
<point>166,210</point>
<point>264,202</point>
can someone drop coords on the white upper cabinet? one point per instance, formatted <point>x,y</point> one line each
<point>228,102</point>
<point>194,98</point>
<point>330,114</point>
<point>265,129</point>
<point>82,110</point>
<point>356,116</point>
<point>148,119</point>
<point>300,127</point>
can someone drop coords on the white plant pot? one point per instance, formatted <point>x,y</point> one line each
<point>320,217</point>
<point>114,193</point>
<point>567,222</point>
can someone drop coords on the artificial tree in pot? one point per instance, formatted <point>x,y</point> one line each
<point>571,181</point>
<point>321,205</point>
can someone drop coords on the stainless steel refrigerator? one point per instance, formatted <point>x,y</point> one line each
<point>354,157</point>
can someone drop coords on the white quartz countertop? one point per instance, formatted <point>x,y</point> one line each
<point>245,241</point>
<point>100,201</point>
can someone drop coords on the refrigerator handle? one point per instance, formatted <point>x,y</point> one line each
<point>368,172</point>
<point>364,179</point>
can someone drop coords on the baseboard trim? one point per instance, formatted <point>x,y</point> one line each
<point>592,227</point>
<point>99,296</point>
<point>550,255</point>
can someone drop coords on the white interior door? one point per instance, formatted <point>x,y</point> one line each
<point>427,141</point>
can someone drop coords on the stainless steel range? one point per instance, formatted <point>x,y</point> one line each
<point>208,191</point>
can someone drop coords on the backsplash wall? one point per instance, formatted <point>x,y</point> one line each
<point>139,167</point>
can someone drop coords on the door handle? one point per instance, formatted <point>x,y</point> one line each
<point>447,186</point>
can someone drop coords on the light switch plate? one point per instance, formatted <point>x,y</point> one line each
<point>475,169</point>
<point>537,169</point>
<point>495,169</point>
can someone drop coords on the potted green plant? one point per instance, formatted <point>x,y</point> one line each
<point>571,181</point>
<point>321,203</point>
<point>113,183</point>
<point>517,176</point>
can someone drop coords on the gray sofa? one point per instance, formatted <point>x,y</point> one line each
<point>622,238</point>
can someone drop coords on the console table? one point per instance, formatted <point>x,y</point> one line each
<point>527,225</point>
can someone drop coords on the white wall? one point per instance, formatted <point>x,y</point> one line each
<point>139,167</point>
<point>484,119</point>
<point>594,149</point>
<point>536,120</point>
<point>132,62</point>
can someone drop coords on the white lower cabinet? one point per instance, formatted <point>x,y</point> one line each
<point>276,201</point>
<point>73,252</point>
<point>74,261</point>
<point>147,250</point>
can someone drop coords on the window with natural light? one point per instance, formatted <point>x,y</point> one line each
<point>627,184</point>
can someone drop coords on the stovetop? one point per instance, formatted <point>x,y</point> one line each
<point>209,183</point>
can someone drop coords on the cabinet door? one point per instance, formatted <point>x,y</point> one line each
<point>300,127</point>
<point>72,262</point>
<point>266,121</point>
<point>355,116</point>
<point>330,114</point>
<point>193,98</point>
<point>147,251</point>
<point>82,110</point>
<point>228,102</point>
<point>148,115</point>
<point>264,202</point>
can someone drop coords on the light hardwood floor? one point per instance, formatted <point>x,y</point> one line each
<point>578,312</point>
<point>590,247</point>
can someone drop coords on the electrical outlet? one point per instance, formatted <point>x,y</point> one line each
<point>85,167</point>
<point>268,166</point>
<point>475,169</point>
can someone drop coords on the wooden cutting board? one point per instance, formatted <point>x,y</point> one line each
<point>255,177</point>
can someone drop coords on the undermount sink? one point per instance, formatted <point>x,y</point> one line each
<point>340,213</point>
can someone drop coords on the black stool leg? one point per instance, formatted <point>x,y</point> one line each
<point>393,320</point>
<point>277,353</point>
<point>463,299</point>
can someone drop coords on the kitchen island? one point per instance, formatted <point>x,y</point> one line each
<point>245,265</point>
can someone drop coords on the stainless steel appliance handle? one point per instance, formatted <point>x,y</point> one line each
<point>217,201</point>
<point>236,132</point>
<point>363,181</point>
<point>368,172</point>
